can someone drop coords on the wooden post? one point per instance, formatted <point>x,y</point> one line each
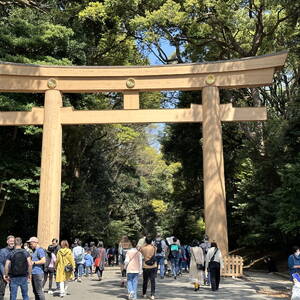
<point>50,185</point>
<point>213,169</point>
<point>131,100</point>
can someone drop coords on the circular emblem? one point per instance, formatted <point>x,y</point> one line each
<point>52,83</point>
<point>210,79</point>
<point>130,83</point>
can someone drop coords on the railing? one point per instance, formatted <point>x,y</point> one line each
<point>233,266</point>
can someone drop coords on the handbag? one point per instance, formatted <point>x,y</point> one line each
<point>199,267</point>
<point>68,268</point>
<point>212,262</point>
<point>152,260</point>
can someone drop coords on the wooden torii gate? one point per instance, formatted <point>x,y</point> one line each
<point>210,77</point>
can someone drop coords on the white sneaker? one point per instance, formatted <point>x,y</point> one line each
<point>152,297</point>
<point>50,292</point>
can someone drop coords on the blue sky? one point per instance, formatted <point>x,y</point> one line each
<point>155,130</point>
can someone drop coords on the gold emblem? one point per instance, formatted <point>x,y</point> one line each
<point>52,83</point>
<point>210,79</point>
<point>130,83</point>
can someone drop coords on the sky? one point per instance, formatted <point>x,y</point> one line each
<point>155,130</point>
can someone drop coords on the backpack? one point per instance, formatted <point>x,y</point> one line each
<point>174,250</point>
<point>48,260</point>
<point>79,257</point>
<point>19,264</point>
<point>158,244</point>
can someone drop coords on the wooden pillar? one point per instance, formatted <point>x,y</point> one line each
<point>50,185</point>
<point>213,169</point>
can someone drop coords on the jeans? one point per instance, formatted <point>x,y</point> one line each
<point>88,270</point>
<point>79,270</point>
<point>2,287</point>
<point>175,266</point>
<point>149,274</point>
<point>19,282</point>
<point>161,263</point>
<point>37,286</point>
<point>132,283</point>
<point>51,274</point>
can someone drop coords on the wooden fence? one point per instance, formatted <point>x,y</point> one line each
<point>233,266</point>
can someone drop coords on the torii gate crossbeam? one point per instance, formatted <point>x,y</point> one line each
<point>208,77</point>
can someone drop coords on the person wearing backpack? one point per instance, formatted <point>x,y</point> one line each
<point>214,263</point>
<point>17,270</point>
<point>4,253</point>
<point>161,246</point>
<point>38,260</point>
<point>205,245</point>
<point>78,253</point>
<point>174,257</point>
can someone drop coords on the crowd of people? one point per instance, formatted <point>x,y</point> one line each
<point>149,257</point>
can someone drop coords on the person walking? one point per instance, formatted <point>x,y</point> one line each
<point>38,260</point>
<point>205,245</point>
<point>55,245</point>
<point>4,253</point>
<point>161,246</point>
<point>88,258</point>
<point>78,254</point>
<point>174,257</point>
<point>214,263</point>
<point>124,246</point>
<point>18,270</point>
<point>65,266</point>
<point>197,265</point>
<point>149,267</point>
<point>133,266</point>
<point>294,261</point>
<point>100,260</point>
<point>49,267</point>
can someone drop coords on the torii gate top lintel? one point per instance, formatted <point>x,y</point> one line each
<point>237,73</point>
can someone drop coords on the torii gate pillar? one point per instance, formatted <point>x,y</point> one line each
<point>50,183</point>
<point>213,169</point>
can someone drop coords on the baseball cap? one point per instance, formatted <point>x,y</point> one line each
<point>33,239</point>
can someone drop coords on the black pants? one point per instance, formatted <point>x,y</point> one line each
<point>149,274</point>
<point>2,287</point>
<point>37,286</point>
<point>50,273</point>
<point>214,268</point>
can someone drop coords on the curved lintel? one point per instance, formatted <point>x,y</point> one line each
<point>252,71</point>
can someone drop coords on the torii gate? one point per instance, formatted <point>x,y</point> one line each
<point>210,77</point>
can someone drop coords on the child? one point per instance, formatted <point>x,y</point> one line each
<point>88,262</point>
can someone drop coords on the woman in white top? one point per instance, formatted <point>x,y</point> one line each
<point>214,263</point>
<point>133,266</point>
<point>196,265</point>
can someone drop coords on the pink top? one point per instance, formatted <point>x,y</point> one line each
<point>133,261</point>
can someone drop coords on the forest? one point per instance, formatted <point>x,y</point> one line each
<point>128,179</point>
